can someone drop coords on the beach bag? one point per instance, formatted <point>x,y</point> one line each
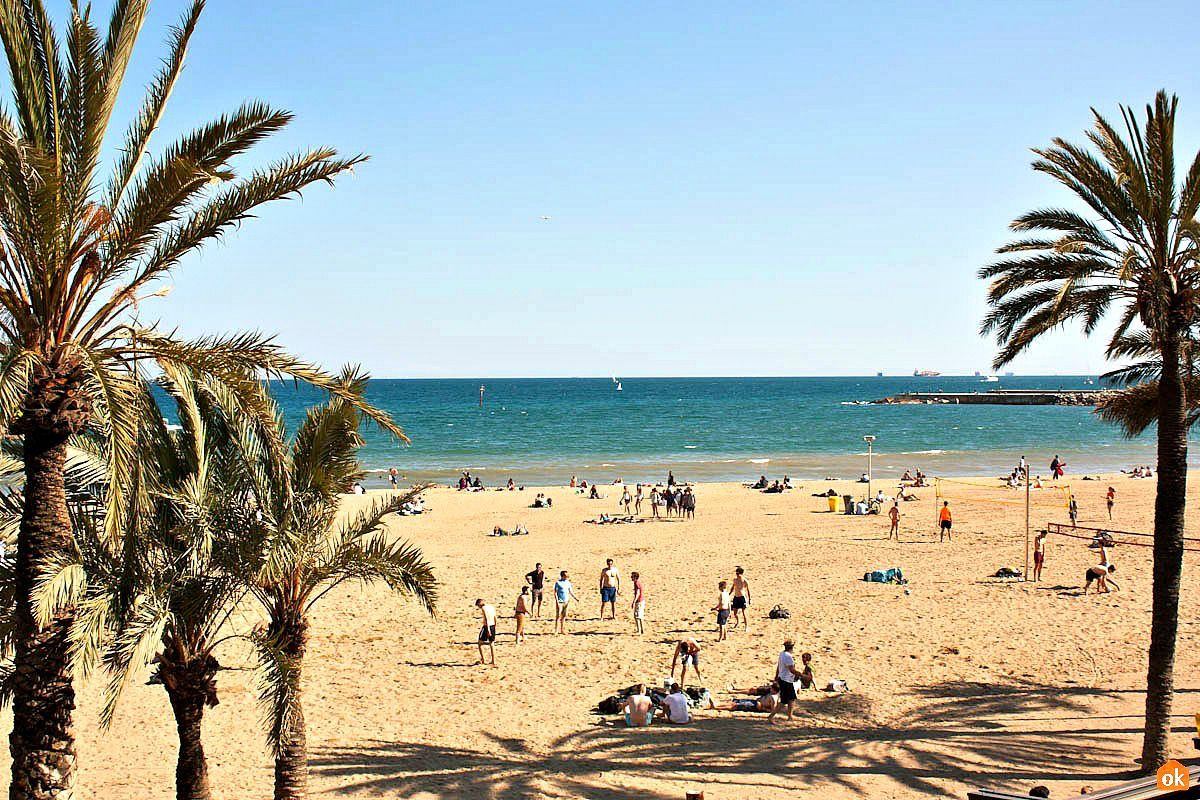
<point>875,576</point>
<point>779,612</point>
<point>1006,572</point>
<point>609,705</point>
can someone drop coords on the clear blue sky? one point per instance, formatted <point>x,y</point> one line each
<point>735,189</point>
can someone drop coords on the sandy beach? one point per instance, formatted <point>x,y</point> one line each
<point>962,680</point>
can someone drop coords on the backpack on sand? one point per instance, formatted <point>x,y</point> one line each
<point>779,612</point>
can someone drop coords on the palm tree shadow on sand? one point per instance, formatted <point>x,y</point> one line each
<point>959,734</point>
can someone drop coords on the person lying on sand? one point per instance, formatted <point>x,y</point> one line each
<point>638,708</point>
<point>765,703</point>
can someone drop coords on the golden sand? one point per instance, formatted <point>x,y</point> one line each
<point>962,680</point>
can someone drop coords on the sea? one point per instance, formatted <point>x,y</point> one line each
<point>544,431</point>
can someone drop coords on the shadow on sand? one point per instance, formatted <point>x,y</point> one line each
<point>959,733</point>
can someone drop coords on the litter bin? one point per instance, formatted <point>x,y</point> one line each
<point>848,503</point>
<point>835,504</point>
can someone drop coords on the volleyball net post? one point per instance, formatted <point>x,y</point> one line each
<point>943,490</point>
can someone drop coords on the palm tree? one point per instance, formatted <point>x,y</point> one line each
<point>1134,251</point>
<point>79,247</point>
<point>166,596</point>
<point>303,550</point>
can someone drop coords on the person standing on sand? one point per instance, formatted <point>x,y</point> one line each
<point>741,597</point>
<point>610,584</point>
<point>945,521</point>
<point>1039,554</point>
<point>688,652</point>
<point>722,609</point>
<point>487,634</point>
<point>637,500</point>
<point>392,477</point>
<point>670,479</point>
<point>521,612</point>
<point>785,672</point>
<point>536,578</point>
<point>894,516</point>
<point>639,603</point>
<point>626,499</point>
<point>1111,499</point>
<point>1073,511</point>
<point>655,501</point>
<point>564,593</point>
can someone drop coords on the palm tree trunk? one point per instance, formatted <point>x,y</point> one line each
<point>1168,556</point>
<point>291,762</point>
<point>188,699</point>
<point>42,742</point>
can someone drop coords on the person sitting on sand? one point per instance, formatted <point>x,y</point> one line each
<point>511,485</point>
<point>687,652</point>
<point>487,634</point>
<point>594,494</point>
<point>907,476</point>
<point>787,482</point>
<point>675,706</point>
<point>638,708</point>
<point>1101,574</point>
<point>905,494</point>
<point>774,488</point>
<point>864,478</point>
<point>761,483</point>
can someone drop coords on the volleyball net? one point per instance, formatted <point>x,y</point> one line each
<point>1112,536</point>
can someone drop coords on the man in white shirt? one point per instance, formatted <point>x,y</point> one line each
<point>785,671</point>
<point>487,634</point>
<point>675,706</point>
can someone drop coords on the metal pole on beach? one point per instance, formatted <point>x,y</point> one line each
<point>1026,575</point>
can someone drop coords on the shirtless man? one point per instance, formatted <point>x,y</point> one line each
<point>894,516</point>
<point>1101,574</point>
<point>610,585</point>
<point>638,708</point>
<point>1039,554</point>
<point>487,634</point>
<point>740,588</point>
<point>639,603</point>
<point>688,652</point>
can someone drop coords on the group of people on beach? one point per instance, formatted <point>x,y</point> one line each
<point>733,599</point>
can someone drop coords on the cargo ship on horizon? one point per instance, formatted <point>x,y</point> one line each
<point>925,373</point>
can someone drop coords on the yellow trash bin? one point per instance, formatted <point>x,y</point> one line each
<point>835,504</point>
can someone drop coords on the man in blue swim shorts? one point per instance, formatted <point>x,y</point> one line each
<point>610,583</point>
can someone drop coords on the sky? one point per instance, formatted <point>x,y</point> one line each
<point>733,189</point>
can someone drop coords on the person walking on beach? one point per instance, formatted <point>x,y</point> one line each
<point>787,675</point>
<point>564,593</point>
<point>894,516</point>
<point>741,597</point>
<point>1110,499</point>
<point>722,608</point>
<point>392,477</point>
<point>1073,511</point>
<point>945,521</point>
<point>687,652</point>
<point>637,500</point>
<point>1057,467</point>
<point>536,578</point>
<point>610,583</point>
<point>1039,554</point>
<point>626,499</point>
<point>487,634</point>
<point>521,612</point>
<point>639,603</point>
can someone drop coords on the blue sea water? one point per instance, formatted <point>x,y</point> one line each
<point>545,430</point>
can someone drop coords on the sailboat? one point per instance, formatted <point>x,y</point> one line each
<point>618,383</point>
